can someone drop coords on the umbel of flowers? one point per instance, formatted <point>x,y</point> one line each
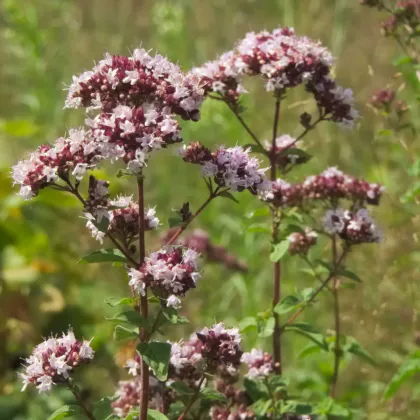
<point>138,101</point>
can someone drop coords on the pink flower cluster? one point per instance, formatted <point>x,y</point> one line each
<point>127,397</point>
<point>51,361</point>
<point>221,346</point>
<point>73,155</point>
<point>170,272</point>
<point>230,167</point>
<point>240,413</point>
<point>260,364</point>
<point>186,361</point>
<point>384,100</point>
<point>123,219</point>
<point>301,242</point>
<point>284,60</point>
<point>353,227</point>
<point>331,185</point>
<point>134,81</point>
<point>130,133</point>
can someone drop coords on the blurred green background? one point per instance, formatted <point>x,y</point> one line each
<point>43,289</point>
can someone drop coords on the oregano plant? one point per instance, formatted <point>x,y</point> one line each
<point>133,105</point>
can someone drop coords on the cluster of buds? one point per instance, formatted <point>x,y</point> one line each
<point>240,413</point>
<point>186,362</point>
<point>260,364</point>
<point>170,272</point>
<point>221,347</point>
<point>135,80</point>
<point>284,60</point>
<point>301,242</point>
<point>51,361</point>
<point>384,100</point>
<point>222,77</point>
<point>122,220</point>
<point>405,16</point>
<point>72,155</point>
<point>199,240</point>
<point>331,185</point>
<point>127,396</point>
<point>353,227</point>
<point>230,167</point>
<point>130,133</point>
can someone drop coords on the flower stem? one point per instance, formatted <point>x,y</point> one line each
<point>244,124</point>
<point>144,397</point>
<point>85,409</point>
<point>186,224</point>
<point>277,268</point>
<point>337,351</point>
<point>193,399</point>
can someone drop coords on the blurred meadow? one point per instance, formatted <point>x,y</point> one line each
<point>43,289</point>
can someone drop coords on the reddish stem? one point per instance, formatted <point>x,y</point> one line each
<point>337,351</point>
<point>144,397</point>
<point>277,268</point>
<point>186,224</point>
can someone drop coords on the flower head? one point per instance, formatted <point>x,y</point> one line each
<point>52,361</point>
<point>354,227</point>
<point>221,346</point>
<point>131,133</point>
<point>70,156</point>
<point>170,272</point>
<point>134,81</point>
<point>260,364</point>
<point>301,242</point>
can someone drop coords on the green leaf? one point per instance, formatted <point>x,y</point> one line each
<point>248,324</point>
<point>102,409</point>
<point>210,394</point>
<point>228,195</point>
<point>261,407</point>
<point>404,59</point>
<point>354,347</point>
<point>309,332</point>
<point>297,407</point>
<point>65,411</point>
<point>130,317</point>
<point>174,221</point>
<point>287,304</point>
<point>116,301</point>
<point>302,156</point>
<point>266,327</point>
<point>156,355</point>
<point>181,388</point>
<point>255,390</point>
<point>261,212</point>
<point>255,148</point>
<point>279,250</point>
<point>122,333</point>
<point>171,314</point>
<point>103,255</point>
<point>349,274</point>
<point>405,372</point>
<point>309,349</point>
<point>155,415</point>
<point>258,228</point>
<point>134,415</point>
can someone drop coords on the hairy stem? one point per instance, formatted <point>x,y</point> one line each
<point>324,284</point>
<point>337,351</point>
<point>244,124</point>
<point>193,399</point>
<point>144,397</point>
<point>277,268</point>
<point>85,409</point>
<point>176,235</point>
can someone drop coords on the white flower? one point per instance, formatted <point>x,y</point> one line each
<point>80,170</point>
<point>173,301</point>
